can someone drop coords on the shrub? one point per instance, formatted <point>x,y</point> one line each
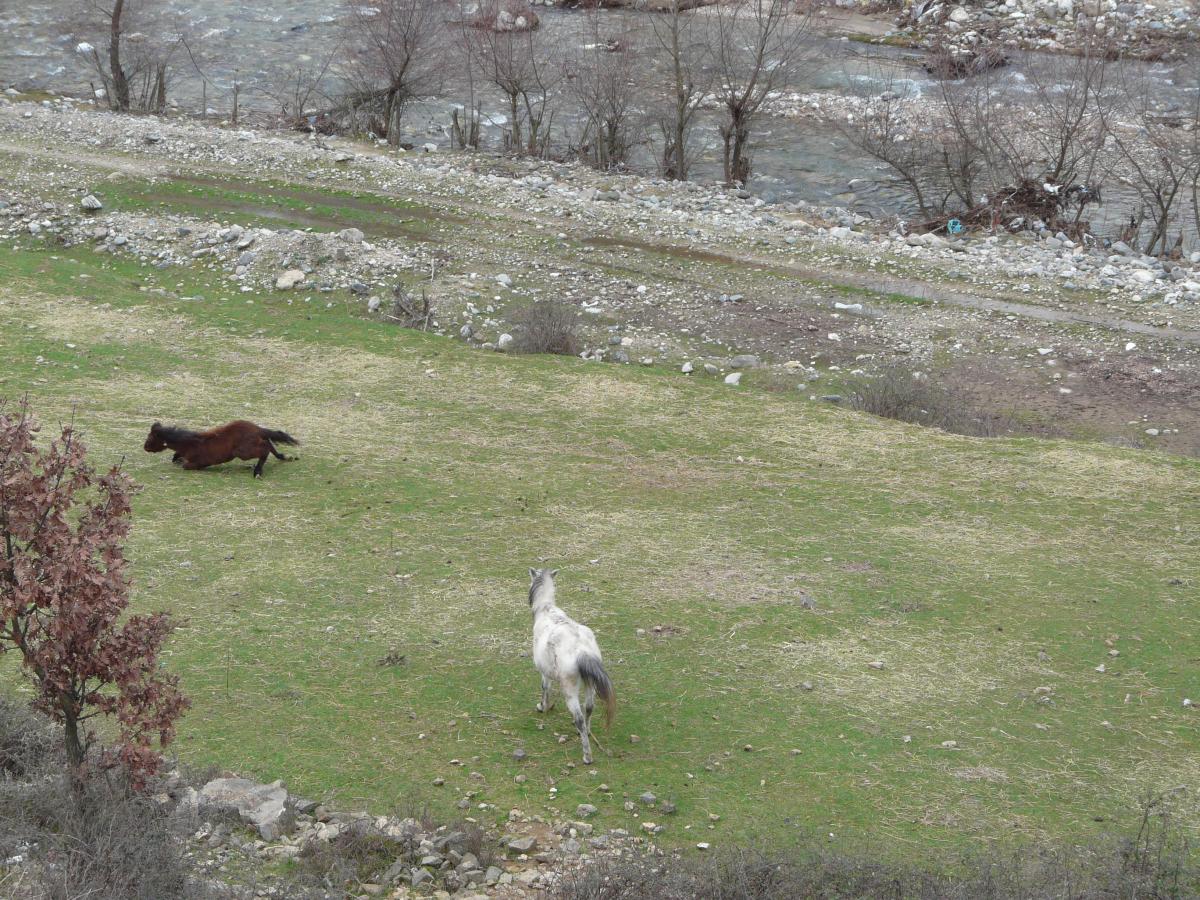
<point>91,837</point>
<point>353,856</point>
<point>30,744</point>
<point>899,392</point>
<point>1152,865</point>
<point>547,326</point>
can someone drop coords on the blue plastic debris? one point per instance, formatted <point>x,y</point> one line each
<point>954,226</point>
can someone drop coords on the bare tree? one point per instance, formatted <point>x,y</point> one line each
<point>604,80</point>
<point>465,123</point>
<point>757,48</point>
<point>889,129</point>
<point>396,48</point>
<point>677,35</point>
<point>1154,156</point>
<point>134,43</point>
<point>524,65</point>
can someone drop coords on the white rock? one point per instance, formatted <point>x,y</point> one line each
<point>91,203</point>
<point>289,280</point>
<point>733,378</point>
<point>1129,346</point>
<point>687,368</point>
<point>504,341</point>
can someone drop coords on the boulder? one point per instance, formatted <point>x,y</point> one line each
<point>260,805</point>
<point>289,280</point>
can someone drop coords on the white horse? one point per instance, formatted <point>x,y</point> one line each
<point>566,654</point>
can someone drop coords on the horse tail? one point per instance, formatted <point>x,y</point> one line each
<point>591,670</point>
<point>281,437</point>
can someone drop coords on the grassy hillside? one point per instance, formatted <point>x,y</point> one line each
<point>693,523</point>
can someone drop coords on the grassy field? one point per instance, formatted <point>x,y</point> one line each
<point>991,578</point>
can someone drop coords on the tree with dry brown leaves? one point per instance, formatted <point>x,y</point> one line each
<point>64,592</point>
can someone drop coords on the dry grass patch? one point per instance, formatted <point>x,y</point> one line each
<point>920,669</point>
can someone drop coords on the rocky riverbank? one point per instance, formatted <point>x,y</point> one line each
<point>1157,30</point>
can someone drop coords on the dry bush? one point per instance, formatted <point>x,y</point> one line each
<point>95,838</point>
<point>899,392</point>
<point>409,309</point>
<point>546,326</point>
<point>1153,864</point>
<point>351,857</point>
<point>30,744</point>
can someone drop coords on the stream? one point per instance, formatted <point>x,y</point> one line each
<point>798,158</point>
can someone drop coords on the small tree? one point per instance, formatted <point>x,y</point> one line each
<point>525,67</point>
<point>685,57</point>
<point>396,53</point>
<point>63,589</point>
<point>137,41</point>
<point>757,47</point>
<point>604,80</point>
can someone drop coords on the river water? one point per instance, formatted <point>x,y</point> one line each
<point>253,42</point>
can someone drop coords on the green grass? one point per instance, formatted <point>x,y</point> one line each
<point>432,476</point>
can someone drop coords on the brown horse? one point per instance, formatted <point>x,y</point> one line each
<point>200,449</point>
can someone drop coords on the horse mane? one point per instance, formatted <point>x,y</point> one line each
<point>177,434</point>
<point>538,584</point>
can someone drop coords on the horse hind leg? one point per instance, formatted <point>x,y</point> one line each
<point>581,725</point>
<point>279,456</point>
<point>258,469</point>
<point>547,701</point>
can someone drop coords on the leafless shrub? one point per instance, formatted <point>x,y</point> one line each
<point>132,46</point>
<point>902,393</point>
<point>354,856</point>
<point>300,92</point>
<point>30,743</point>
<point>886,131</point>
<point>991,154</point>
<point>603,81</point>
<point>409,309</point>
<point>93,838</point>
<point>1152,865</point>
<point>546,326</point>
<point>1159,152</point>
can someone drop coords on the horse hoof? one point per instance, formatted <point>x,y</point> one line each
<point>587,760</point>
<point>538,707</point>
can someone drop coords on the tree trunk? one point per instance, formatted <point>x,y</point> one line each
<point>74,745</point>
<point>119,98</point>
